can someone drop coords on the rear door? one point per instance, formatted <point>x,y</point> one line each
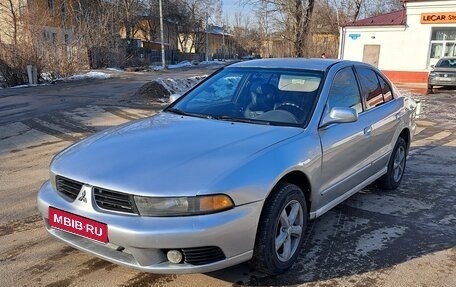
<point>382,113</point>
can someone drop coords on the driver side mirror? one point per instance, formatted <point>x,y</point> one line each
<point>339,115</point>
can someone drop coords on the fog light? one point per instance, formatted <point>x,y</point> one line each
<point>174,256</point>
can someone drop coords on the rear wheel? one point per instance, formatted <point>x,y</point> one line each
<point>396,166</point>
<point>280,230</point>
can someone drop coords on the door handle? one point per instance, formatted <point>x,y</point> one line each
<point>368,131</point>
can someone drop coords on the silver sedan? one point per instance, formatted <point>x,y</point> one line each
<point>233,170</point>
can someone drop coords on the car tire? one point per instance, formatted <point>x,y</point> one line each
<point>285,217</point>
<point>430,89</point>
<point>396,166</point>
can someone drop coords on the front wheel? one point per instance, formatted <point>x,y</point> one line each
<point>280,230</point>
<point>396,166</point>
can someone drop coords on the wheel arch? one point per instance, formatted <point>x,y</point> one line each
<point>301,180</point>
<point>405,134</point>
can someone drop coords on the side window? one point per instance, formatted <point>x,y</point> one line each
<point>344,91</point>
<point>386,89</point>
<point>370,86</point>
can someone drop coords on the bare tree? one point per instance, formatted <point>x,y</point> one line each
<point>246,35</point>
<point>10,10</point>
<point>16,51</point>
<point>193,27</point>
<point>129,12</point>
<point>352,10</point>
<point>291,18</point>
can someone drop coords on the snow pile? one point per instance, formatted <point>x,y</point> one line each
<point>182,64</point>
<point>47,77</point>
<point>156,68</point>
<point>90,75</point>
<point>159,90</point>
<point>180,86</point>
<point>214,63</point>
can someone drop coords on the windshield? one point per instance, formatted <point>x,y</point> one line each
<point>446,63</point>
<point>262,96</point>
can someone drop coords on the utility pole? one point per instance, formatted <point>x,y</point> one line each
<point>207,37</point>
<point>223,42</point>
<point>161,35</point>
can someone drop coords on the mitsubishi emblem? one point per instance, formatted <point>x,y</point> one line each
<point>83,197</point>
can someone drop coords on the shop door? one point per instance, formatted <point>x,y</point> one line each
<point>371,54</point>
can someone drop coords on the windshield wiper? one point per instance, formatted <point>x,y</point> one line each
<point>182,113</point>
<point>177,112</point>
<point>240,120</point>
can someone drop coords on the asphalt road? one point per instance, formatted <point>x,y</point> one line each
<point>376,238</point>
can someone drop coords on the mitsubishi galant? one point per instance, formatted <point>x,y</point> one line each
<point>233,170</point>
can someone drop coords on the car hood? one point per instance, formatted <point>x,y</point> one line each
<point>166,154</point>
<point>444,70</point>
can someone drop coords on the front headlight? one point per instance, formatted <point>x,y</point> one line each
<point>52,180</point>
<point>432,74</point>
<point>181,206</point>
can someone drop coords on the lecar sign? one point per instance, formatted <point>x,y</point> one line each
<point>438,18</point>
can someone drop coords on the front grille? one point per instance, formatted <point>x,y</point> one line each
<point>446,75</point>
<point>68,187</point>
<point>202,255</point>
<point>113,200</point>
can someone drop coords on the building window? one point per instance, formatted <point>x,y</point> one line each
<point>46,35</point>
<point>63,11</point>
<point>443,43</point>
<point>67,39</point>
<point>51,5</point>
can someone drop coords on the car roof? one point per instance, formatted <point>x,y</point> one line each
<point>289,63</point>
<point>447,58</point>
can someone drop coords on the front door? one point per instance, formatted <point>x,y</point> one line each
<point>345,146</point>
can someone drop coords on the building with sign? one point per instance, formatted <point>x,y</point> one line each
<point>405,43</point>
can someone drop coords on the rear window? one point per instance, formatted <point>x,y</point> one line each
<point>298,83</point>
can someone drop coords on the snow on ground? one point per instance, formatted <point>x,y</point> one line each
<point>49,78</point>
<point>89,75</point>
<point>114,69</point>
<point>176,66</point>
<point>184,64</point>
<point>180,86</point>
<point>26,86</point>
<point>180,65</point>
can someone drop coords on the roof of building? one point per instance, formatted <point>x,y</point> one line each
<point>396,18</point>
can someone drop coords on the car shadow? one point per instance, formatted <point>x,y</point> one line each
<point>436,90</point>
<point>375,229</point>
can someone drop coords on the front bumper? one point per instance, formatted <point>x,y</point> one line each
<point>442,81</point>
<point>138,242</point>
